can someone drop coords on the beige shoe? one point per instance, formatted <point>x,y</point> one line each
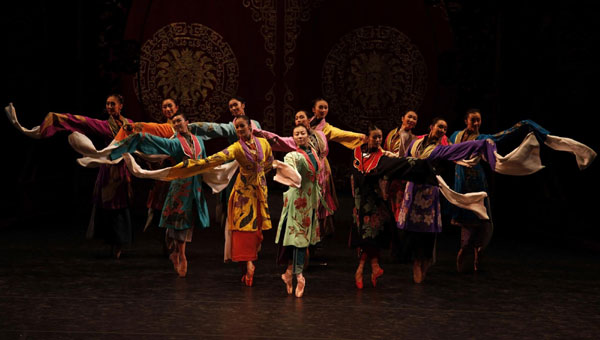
<point>287,279</point>
<point>300,285</point>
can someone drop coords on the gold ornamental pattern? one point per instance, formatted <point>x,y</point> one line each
<point>372,75</point>
<point>295,13</point>
<point>265,11</point>
<point>190,63</point>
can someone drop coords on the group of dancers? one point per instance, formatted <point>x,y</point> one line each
<point>394,183</point>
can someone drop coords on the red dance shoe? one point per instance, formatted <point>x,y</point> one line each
<point>376,275</point>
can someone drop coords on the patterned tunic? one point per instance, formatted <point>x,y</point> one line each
<point>372,216</point>
<point>248,200</point>
<point>298,216</point>
<point>398,140</point>
<point>420,210</point>
<point>185,196</point>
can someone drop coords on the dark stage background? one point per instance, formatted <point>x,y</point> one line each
<point>370,59</point>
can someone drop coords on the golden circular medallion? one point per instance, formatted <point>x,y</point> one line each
<point>190,63</point>
<point>372,75</point>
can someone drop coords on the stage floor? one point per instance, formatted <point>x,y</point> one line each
<point>55,284</point>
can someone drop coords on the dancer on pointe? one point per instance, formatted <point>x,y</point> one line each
<point>298,224</point>
<point>185,205</point>
<point>475,232</point>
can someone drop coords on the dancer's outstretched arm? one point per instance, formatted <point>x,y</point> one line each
<point>55,122</point>
<point>349,139</point>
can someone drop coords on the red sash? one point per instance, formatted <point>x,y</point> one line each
<point>366,164</point>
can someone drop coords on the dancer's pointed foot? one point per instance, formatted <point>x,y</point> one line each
<point>248,278</point>
<point>300,285</point>
<point>182,268</point>
<point>174,257</point>
<point>287,279</point>
<point>375,275</point>
<point>417,273</point>
<point>358,278</point>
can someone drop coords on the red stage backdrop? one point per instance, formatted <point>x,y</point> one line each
<point>371,60</point>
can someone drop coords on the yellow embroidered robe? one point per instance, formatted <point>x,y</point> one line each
<point>248,199</point>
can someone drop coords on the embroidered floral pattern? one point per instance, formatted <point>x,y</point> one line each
<point>300,203</point>
<point>306,222</point>
<point>424,198</point>
<point>300,218</point>
<point>241,201</point>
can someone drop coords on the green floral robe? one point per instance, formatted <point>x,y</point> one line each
<point>299,214</point>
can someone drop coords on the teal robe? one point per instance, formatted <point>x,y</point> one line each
<point>185,196</point>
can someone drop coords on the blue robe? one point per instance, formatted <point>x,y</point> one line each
<point>185,196</point>
<point>474,179</point>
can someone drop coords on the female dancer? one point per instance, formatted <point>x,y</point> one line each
<point>237,108</point>
<point>397,142</point>
<point>159,190</point>
<point>373,217</point>
<point>248,211</point>
<point>298,225</point>
<point>185,205</point>
<point>475,232</point>
<point>351,140</point>
<point>320,134</point>
<point>318,139</point>
<point>419,215</point>
<point>110,218</point>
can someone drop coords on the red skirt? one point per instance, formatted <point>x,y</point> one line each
<point>245,245</point>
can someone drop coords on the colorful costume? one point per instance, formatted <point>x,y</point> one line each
<point>320,134</point>
<point>298,224</point>
<point>317,141</point>
<point>216,130</point>
<point>474,231</point>
<point>397,142</point>
<point>248,210</point>
<point>158,192</point>
<point>374,220</point>
<point>164,130</point>
<point>111,218</point>
<point>185,200</point>
<point>420,214</point>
